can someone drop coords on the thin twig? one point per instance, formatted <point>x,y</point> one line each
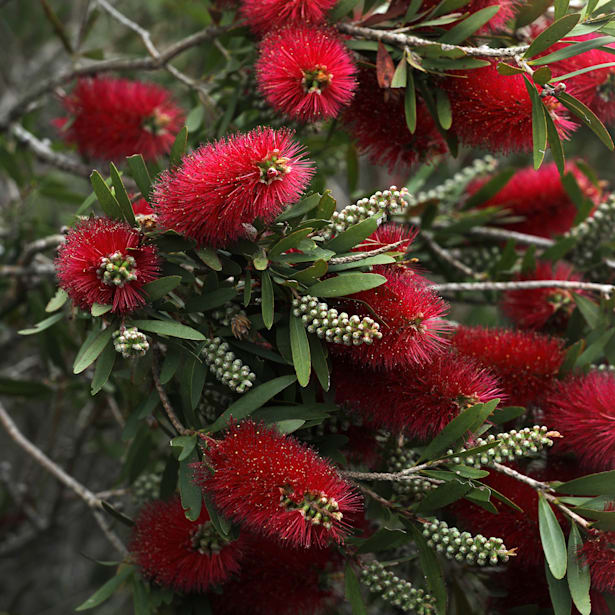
<point>40,245</point>
<point>503,234</point>
<point>406,40</point>
<point>394,476</point>
<point>605,289</point>
<point>359,256</point>
<point>446,256</point>
<point>33,270</point>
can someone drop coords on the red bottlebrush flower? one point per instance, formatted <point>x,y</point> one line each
<point>272,484</point>
<point>224,185</point>
<point>506,12</point>
<point>187,556</point>
<point>266,15</point>
<point>411,317</point>
<point>277,578</point>
<point>104,261</point>
<point>142,208</point>
<point>535,308</point>
<point>417,401</point>
<point>526,363</point>
<point>386,235</point>
<point>306,73</point>
<point>583,410</point>
<point>495,111</point>
<point>599,553</point>
<point>539,199</point>
<point>376,120</point>
<point>113,118</point>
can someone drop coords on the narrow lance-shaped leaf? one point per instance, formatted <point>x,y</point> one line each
<point>300,349</point>
<point>410,102</point>
<point>552,538</point>
<point>539,124</point>
<point>579,579</point>
<point>588,117</point>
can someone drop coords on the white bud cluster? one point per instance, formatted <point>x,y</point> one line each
<point>602,368</point>
<point>333,326</point>
<point>463,547</point>
<point>130,342</point>
<point>512,444</point>
<point>226,367</point>
<point>390,202</point>
<point>146,487</point>
<point>414,487</point>
<point>396,591</point>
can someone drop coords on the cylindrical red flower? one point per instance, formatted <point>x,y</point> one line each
<point>272,484</point>
<point>305,72</point>
<point>495,111</point>
<point>538,308</point>
<point>583,409</point>
<point>227,184</point>
<point>526,363</point>
<point>538,200</point>
<point>411,317</point>
<point>112,118</point>
<point>266,15</point>
<point>187,556</point>
<point>419,401</point>
<point>107,262</point>
<point>506,12</point>
<point>376,120</point>
<point>278,579</point>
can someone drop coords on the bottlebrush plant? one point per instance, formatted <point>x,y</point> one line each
<point>400,398</point>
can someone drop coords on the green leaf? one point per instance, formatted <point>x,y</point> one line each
<point>210,257</point>
<point>139,172</point>
<point>542,75</point>
<point>140,598</point>
<point>579,579</point>
<point>195,374</point>
<point>443,496</point>
<point>186,443</point>
<point>98,309</point>
<point>189,492</point>
<point>211,300</point>
<point>383,540</point>
<point>602,483</point>
<point>508,70</point>
<point>326,206</point>
<point>555,143</point>
<point>221,524</point>
<point>104,367</point>
<point>57,301</point>
<point>162,286</point>
<point>301,208</point>
<point>489,189</point>
<point>178,148</point>
<point>353,591</point>
<point>469,420</point>
<point>539,124</point>
<point>410,102</point>
<point>503,415</point>
<point>555,32</point>
<point>560,7</point>
<point>108,589</point>
<point>25,388</point>
<point>267,300</point>
<point>558,591</point>
<point>354,235</point>
<point>42,325</point>
<point>399,77</point>
<point>463,30</point>
<point>319,362</point>
<point>572,50</point>
<point>300,349</point>
<point>530,11</point>
<point>288,242</point>
<point>588,117</point>
<point>121,196</point>
<point>309,275</point>
<point>170,328</point>
<point>91,350</point>
<point>287,426</point>
<point>443,107</point>
<point>105,197</point>
<point>346,284</point>
<point>552,538</point>
<point>589,310</point>
<point>194,120</point>
<point>252,400</point>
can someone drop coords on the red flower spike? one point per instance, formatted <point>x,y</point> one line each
<point>495,111</point>
<point>277,486</point>
<point>599,553</point>
<point>498,21</point>
<point>227,184</point>
<point>539,199</point>
<point>114,118</point>
<point>386,235</point>
<point>583,410</point>
<point>142,208</point>
<point>526,363</point>
<point>417,401</point>
<point>538,307</point>
<point>410,316</point>
<point>266,15</point>
<point>106,262</point>
<point>294,573</point>
<point>184,555</point>
<point>376,120</point>
<point>306,73</point>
